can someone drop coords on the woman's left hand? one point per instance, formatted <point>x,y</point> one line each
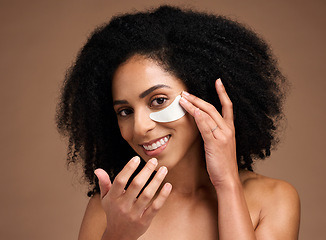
<point>218,134</point>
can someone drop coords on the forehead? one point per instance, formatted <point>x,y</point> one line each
<point>139,74</point>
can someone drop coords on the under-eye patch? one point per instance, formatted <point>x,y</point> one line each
<point>171,113</point>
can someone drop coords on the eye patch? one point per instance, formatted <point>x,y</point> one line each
<point>171,113</point>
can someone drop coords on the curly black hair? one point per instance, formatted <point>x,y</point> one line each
<point>195,47</point>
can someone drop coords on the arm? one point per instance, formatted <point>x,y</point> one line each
<point>234,220</point>
<point>218,133</point>
<point>94,221</point>
<point>280,215</point>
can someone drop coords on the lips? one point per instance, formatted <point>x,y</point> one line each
<point>151,146</point>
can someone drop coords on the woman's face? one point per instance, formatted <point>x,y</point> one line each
<point>140,86</point>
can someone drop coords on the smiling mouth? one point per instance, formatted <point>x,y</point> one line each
<point>156,144</point>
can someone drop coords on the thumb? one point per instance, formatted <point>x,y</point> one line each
<point>103,181</point>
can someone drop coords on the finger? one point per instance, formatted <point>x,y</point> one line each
<point>158,203</point>
<point>204,127</point>
<point>122,178</point>
<point>149,192</point>
<point>187,100</point>
<point>204,118</point>
<point>227,107</point>
<point>140,180</point>
<point>103,181</point>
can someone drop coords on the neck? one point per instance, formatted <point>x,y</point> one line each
<point>189,177</point>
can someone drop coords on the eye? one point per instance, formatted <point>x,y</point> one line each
<point>124,112</point>
<point>157,102</point>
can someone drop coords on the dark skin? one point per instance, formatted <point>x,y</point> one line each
<point>198,192</point>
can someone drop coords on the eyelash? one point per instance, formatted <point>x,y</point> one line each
<point>119,113</point>
<point>123,111</point>
<point>158,98</point>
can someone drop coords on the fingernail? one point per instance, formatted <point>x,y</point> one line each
<point>163,170</point>
<point>136,159</point>
<point>183,100</point>
<point>168,186</point>
<point>185,93</point>
<point>219,82</point>
<point>153,161</point>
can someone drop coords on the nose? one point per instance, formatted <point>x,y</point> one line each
<point>142,122</point>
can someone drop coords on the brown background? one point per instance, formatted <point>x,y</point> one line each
<point>40,199</point>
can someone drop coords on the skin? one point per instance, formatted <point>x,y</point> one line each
<point>209,199</point>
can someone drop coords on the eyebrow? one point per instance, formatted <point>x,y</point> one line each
<point>117,102</point>
<point>151,89</point>
<point>143,94</point>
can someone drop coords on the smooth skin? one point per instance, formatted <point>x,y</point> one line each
<point>210,198</point>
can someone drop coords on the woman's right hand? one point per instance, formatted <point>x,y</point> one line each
<point>128,217</point>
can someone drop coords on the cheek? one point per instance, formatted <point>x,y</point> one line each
<point>189,122</point>
<point>187,127</point>
<point>191,130</point>
<point>126,131</point>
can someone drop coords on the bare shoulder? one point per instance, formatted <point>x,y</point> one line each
<point>254,183</point>
<point>278,203</point>
<point>94,221</point>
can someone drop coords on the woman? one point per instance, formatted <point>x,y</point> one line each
<point>198,97</point>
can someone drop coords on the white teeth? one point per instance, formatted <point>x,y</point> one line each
<point>157,144</point>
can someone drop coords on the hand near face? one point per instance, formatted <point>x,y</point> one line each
<point>128,217</point>
<point>217,132</point>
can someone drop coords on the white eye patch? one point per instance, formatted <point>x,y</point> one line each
<point>169,114</point>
